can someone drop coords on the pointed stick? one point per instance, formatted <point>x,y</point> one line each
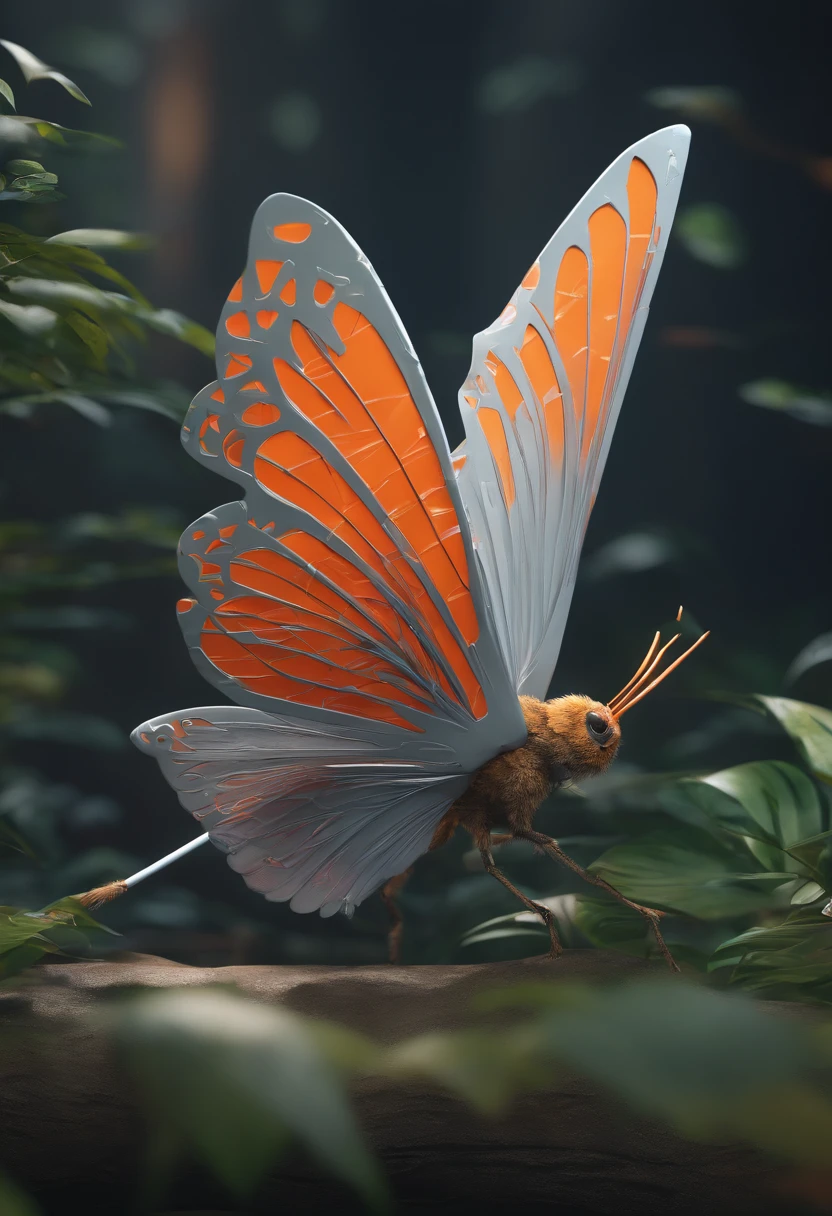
<point>102,895</point>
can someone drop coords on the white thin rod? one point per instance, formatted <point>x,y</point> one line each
<point>165,861</point>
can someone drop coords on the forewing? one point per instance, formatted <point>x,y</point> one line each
<point>347,582</point>
<point>317,816</point>
<point>543,394</point>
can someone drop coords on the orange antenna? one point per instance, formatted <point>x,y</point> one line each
<point>637,688</point>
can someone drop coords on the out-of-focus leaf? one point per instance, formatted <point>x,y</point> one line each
<point>13,1201</point>
<point>12,841</point>
<point>630,554</point>
<point>686,869</point>
<point>80,730</point>
<point>101,238</point>
<point>818,651</point>
<point>166,321</point>
<point>714,1066</point>
<point>696,101</point>
<point>613,926</point>
<point>483,1068</point>
<point>515,87</point>
<point>30,319</point>
<point>21,128</point>
<point>231,1078</point>
<point>810,726</point>
<point>35,69</point>
<point>711,234</point>
<point>786,398</point>
<point>6,91</point>
<point>773,805</point>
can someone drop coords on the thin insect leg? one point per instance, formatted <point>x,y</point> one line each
<point>652,915</point>
<point>388,892</point>
<point>540,909</point>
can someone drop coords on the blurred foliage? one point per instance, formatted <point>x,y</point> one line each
<point>25,937</point>
<point>711,234</point>
<point>65,341</point>
<point>785,398</point>
<point>233,1083</point>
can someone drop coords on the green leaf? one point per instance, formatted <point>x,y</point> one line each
<point>773,804</point>
<point>714,1066</point>
<point>611,925</point>
<point>166,321</point>
<point>20,168</point>
<point>793,959</point>
<point>35,69</point>
<point>483,1068</point>
<point>810,726</point>
<point>54,133</point>
<point>93,335</point>
<point>101,238</point>
<point>231,1078</point>
<point>807,894</point>
<point>818,651</point>
<point>711,234</point>
<point>686,869</point>
<point>786,398</point>
<point>31,319</point>
<point>6,91</point>
<point>493,935</point>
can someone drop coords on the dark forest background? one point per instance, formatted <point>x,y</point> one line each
<point>450,140</point>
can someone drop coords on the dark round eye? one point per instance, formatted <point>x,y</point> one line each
<point>597,726</point>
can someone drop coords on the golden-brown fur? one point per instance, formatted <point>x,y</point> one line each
<point>508,790</point>
<point>569,737</point>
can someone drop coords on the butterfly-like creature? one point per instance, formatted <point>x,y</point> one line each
<point>386,615</point>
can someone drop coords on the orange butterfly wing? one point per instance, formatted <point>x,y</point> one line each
<point>347,584</point>
<point>543,394</point>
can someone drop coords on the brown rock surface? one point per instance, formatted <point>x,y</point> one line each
<point>71,1135</point>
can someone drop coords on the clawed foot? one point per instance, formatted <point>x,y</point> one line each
<point>653,916</point>
<point>548,918</point>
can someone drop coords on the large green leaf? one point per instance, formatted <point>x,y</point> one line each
<point>773,805</point>
<point>810,726</point>
<point>687,869</point>
<point>712,1065</point>
<point>233,1078</point>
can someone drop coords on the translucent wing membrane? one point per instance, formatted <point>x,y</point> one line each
<point>342,597</point>
<point>306,813</point>
<point>544,391</point>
